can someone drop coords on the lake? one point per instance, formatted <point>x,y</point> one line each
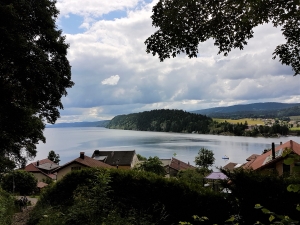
<point>68,142</point>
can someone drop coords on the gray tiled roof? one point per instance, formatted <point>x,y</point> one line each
<point>120,158</point>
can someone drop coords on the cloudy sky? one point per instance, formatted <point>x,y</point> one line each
<point>114,75</point>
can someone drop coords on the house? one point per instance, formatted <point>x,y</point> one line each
<point>118,159</point>
<point>273,159</point>
<point>42,169</point>
<point>173,166</point>
<point>79,163</point>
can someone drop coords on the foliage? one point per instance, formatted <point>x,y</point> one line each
<point>34,75</point>
<point>19,181</point>
<point>162,120</point>
<point>250,187</point>
<point>193,176</point>
<point>183,24</point>
<point>54,157</point>
<point>153,165</point>
<point>133,196</point>
<point>140,157</point>
<point>275,218</point>
<point>205,158</point>
<point>6,207</point>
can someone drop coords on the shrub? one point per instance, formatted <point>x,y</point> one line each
<point>19,181</point>
<point>6,207</point>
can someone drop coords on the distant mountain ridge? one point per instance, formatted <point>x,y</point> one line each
<point>102,123</point>
<point>267,109</point>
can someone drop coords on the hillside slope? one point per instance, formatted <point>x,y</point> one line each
<point>162,120</point>
<point>263,110</point>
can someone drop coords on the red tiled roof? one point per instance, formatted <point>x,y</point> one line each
<point>179,165</point>
<point>34,169</point>
<point>259,161</point>
<point>87,161</point>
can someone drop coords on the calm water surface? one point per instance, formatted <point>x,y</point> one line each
<point>68,142</point>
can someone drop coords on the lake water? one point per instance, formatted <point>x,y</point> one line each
<point>68,142</point>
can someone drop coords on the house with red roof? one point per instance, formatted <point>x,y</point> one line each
<point>42,169</point>
<point>173,166</point>
<point>79,163</point>
<point>273,159</point>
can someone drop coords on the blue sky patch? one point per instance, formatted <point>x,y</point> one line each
<point>114,15</point>
<point>71,24</point>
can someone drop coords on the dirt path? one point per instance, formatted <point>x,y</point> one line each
<point>21,218</point>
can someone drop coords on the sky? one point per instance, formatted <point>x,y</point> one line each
<point>114,75</point>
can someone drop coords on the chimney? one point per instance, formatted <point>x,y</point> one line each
<point>82,155</point>
<point>273,150</point>
<point>281,143</point>
<point>37,163</point>
<point>96,152</point>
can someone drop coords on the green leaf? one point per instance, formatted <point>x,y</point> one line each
<point>231,219</point>
<point>293,187</point>
<point>258,206</point>
<point>266,211</point>
<point>298,207</point>
<point>288,161</point>
<point>271,218</point>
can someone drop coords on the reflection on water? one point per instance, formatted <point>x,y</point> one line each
<point>68,142</point>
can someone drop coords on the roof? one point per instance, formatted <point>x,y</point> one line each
<point>121,158</point>
<point>261,161</point>
<point>216,176</point>
<point>230,166</point>
<point>86,161</point>
<point>253,156</point>
<point>179,165</point>
<point>33,168</point>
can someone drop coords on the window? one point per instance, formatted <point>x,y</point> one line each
<point>286,168</point>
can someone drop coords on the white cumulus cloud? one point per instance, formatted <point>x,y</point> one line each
<point>113,80</point>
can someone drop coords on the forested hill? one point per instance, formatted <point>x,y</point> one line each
<point>262,110</point>
<point>162,120</point>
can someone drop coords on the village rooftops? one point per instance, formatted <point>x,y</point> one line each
<point>264,160</point>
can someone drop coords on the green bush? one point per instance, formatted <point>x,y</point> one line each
<point>265,188</point>
<point>6,207</point>
<point>139,197</point>
<point>19,181</point>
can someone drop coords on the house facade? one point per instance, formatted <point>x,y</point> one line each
<point>82,162</point>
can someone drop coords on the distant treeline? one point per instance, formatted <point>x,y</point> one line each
<point>179,121</point>
<point>165,120</point>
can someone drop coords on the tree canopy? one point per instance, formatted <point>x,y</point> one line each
<point>183,24</point>
<point>152,164</point>
<point>34,75</point>
<point>205,158</point>
<point>54,157</point>
<point>19,181</point>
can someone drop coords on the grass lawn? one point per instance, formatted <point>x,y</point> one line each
<point>249,121</point>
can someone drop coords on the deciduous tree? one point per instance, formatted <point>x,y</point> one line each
<point>205,158</point>
<point>54,157</point>
<point>19,181</point>
<point>34,75</point>
<point>154,165</point>
<point>183,24</point>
